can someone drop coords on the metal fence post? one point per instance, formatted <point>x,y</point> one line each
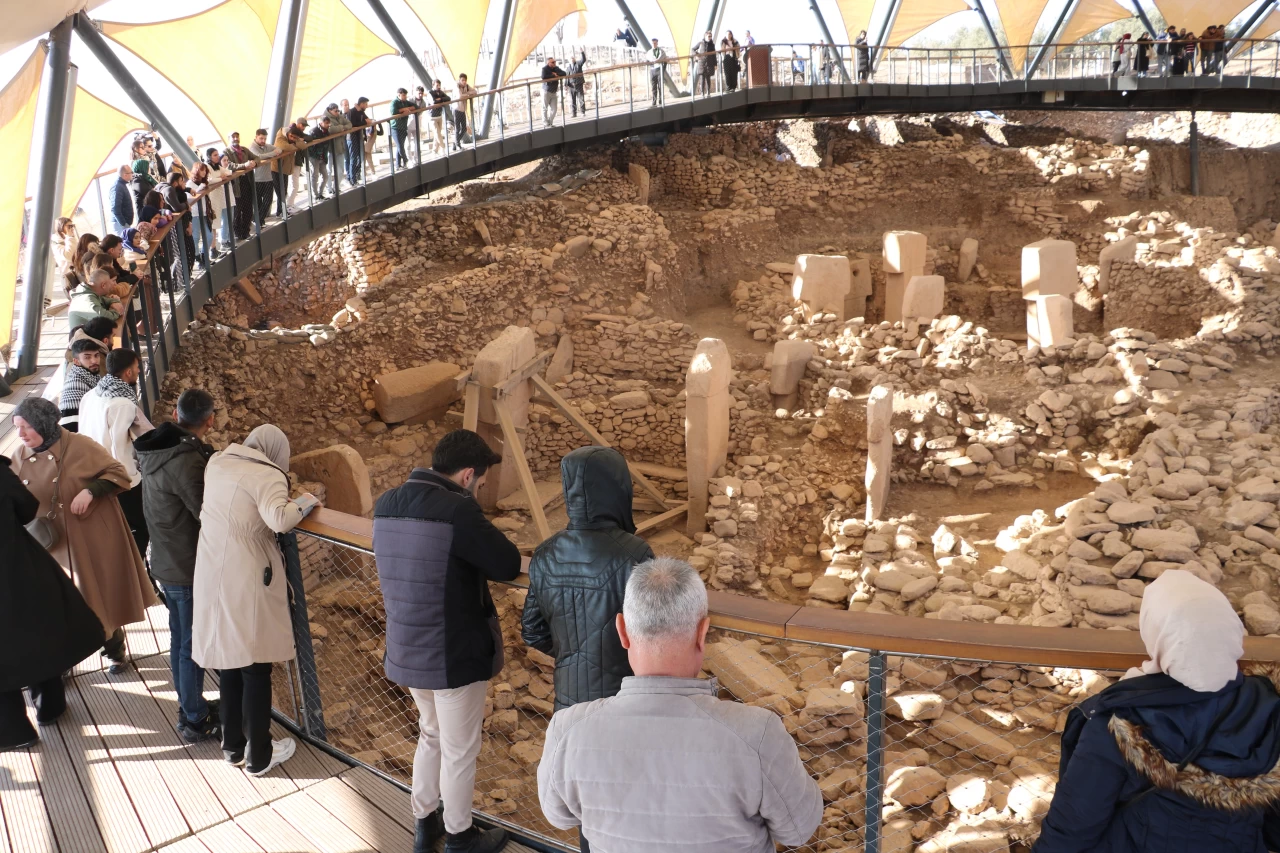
<point>875,752</point>
<point>312,709</point>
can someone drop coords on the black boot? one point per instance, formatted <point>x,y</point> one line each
<point>476,840</point>
<point>429,831</point>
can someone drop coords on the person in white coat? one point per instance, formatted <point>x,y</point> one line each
<point>240,624</point>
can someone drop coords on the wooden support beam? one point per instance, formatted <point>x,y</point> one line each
<point>659,521</point>
<point>512,438</point>
<point>571,412</point>
<point>471,407</point>
<point>523,373</point>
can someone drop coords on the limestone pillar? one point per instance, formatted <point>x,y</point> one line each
<point>923,298</point>
<point>904,257</point>
<point>855,304</point>
<point>790,358</point>
<point>706,424</point>
<point>494,364</point>
<point>1121,250</point>
<point>879,450</point>
<point>1049,269</point>
<point>821,283</point>
<point>1050,321</point>
<point>968,258</point>
<point>639,176</point>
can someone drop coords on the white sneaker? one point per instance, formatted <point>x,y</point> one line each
<point>281,751</point>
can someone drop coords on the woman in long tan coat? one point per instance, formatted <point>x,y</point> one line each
<point>241,618</point>
<point>76,481</point>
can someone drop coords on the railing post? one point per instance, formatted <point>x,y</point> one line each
<point>312,708</point>
<point>875,752</point>
<point>1193,148</point>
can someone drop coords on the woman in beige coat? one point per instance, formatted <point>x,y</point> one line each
<point>240,623</point>
<point>76,481</point>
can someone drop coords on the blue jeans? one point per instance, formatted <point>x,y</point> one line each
<point>355,157</point>
<point>188,678</point>
<point>225,216</point>
<point>398,137</point>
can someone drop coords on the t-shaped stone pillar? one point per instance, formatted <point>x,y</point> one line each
<point>821,283</point>
<point>790,358</point>
<point>706,424</point>
<point>1049,269</point>
<point>879,450</point>
<point>497,361</point>
<point>904,257</point>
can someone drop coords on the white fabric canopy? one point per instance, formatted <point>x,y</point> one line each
<point>25,20</point>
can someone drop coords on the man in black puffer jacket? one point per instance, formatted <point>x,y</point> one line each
<point>577,578</point>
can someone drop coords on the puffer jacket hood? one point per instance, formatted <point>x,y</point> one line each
<point>158,447</point>
<point>597,489</point>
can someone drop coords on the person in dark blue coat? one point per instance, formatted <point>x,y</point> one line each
<point>1181,754</point>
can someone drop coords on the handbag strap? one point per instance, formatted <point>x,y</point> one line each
<point>1191,756</point>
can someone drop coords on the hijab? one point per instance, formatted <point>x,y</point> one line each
<point>43,416</point>
<point>271,442</point>
<point>1191,632</point>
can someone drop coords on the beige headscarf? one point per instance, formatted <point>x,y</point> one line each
<point>1191,632</point>
<point>272,443</point>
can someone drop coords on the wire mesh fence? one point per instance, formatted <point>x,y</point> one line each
<point>948,753</point>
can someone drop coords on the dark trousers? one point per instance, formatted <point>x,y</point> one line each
<point>114,647</point>
<point>263,190</point>
<point>460,125</point>
<point>50,699</point>
<point>188,677</point>
<point>280,181</point>
<point>704,82</point>
<point>242,214</point>
<point>398,137</point>
<point>131,505</point>
<point>246,713</point>
<point>355,157</point>
<point>577,100</point>
<point>582,842</point>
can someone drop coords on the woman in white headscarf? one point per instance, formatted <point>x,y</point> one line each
<point>1179,755</point>
<point>240,622</point>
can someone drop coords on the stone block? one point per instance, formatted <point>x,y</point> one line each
<point>493,365</point>
<point>904,252</point>
<point>1050,321</point>
<point>965,735</point>
<point>577,246</point>
<point>790,358</point>
<point>1121,250</point>
<point>639,176</point>
<point>746,673</point>
<point>924,297</point>
<point>968,258</point>
<point>344,474</point>
<point>879,450</point>
<point>416,395</point>
<point>1049,269</point>
<point>821,283</point>
<point>562,362</point>
<point>706,424</point>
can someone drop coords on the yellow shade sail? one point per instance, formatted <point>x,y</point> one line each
<point>534,19</point>
<point>682,18</point>
<point>1091,15</point>
<point>1270,26</point>
<point>457,30</point>
<point>230,94</point>
<point>1195,15</point>
<point>17,119</point>
<point>334,46</point>
<point>1019,19</point>
<point>857,17</point>
<point>96,129</point>
<point>917,15</point>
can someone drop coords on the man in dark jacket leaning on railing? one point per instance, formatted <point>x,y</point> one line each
<point>436,552</point>
<point>577,578</point>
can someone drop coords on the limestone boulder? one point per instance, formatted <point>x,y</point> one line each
<point>416,395</point>
<point>344,474</point>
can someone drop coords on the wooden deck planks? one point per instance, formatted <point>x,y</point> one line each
<point>73,823</point>
<point>273,833</point>
<point>24,812</point>
<point>368,821</point>
<point>229,838</point>
<point>381,793</point>
<point>190,844</point>
<point>156,808</point>
<point>231,785</point>
<point>122,831</point>
<point>327,833</point>
<point>197,801</point>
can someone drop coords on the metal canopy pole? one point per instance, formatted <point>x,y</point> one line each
<point>648,45</point>
<point>886,30</point>
<point>995,42</point>
<point>1067,9</point>
<point>284,89</point>
<point>713,20</point>
<point>102,51</point>
<point>1142,16</point>
<point>1194,150</point>
<point>826,34</point>
<point>402,43</point>
<point>499,60</point>
<point>1248,28</point>
<point>51,111</point>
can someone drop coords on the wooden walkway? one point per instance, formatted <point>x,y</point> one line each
<point>113,776</point>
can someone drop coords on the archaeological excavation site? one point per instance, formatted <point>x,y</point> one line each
<point>904,390</point>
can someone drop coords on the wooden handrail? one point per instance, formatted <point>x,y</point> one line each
<point>908,635</point>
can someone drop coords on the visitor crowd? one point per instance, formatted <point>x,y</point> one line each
<point>1175,53</point>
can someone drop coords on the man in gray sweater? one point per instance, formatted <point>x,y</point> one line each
<point>665,765</point>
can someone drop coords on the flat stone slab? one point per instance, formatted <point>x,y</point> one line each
<point>416,394</point>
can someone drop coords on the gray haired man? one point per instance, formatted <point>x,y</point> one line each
<point>695,772</point>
